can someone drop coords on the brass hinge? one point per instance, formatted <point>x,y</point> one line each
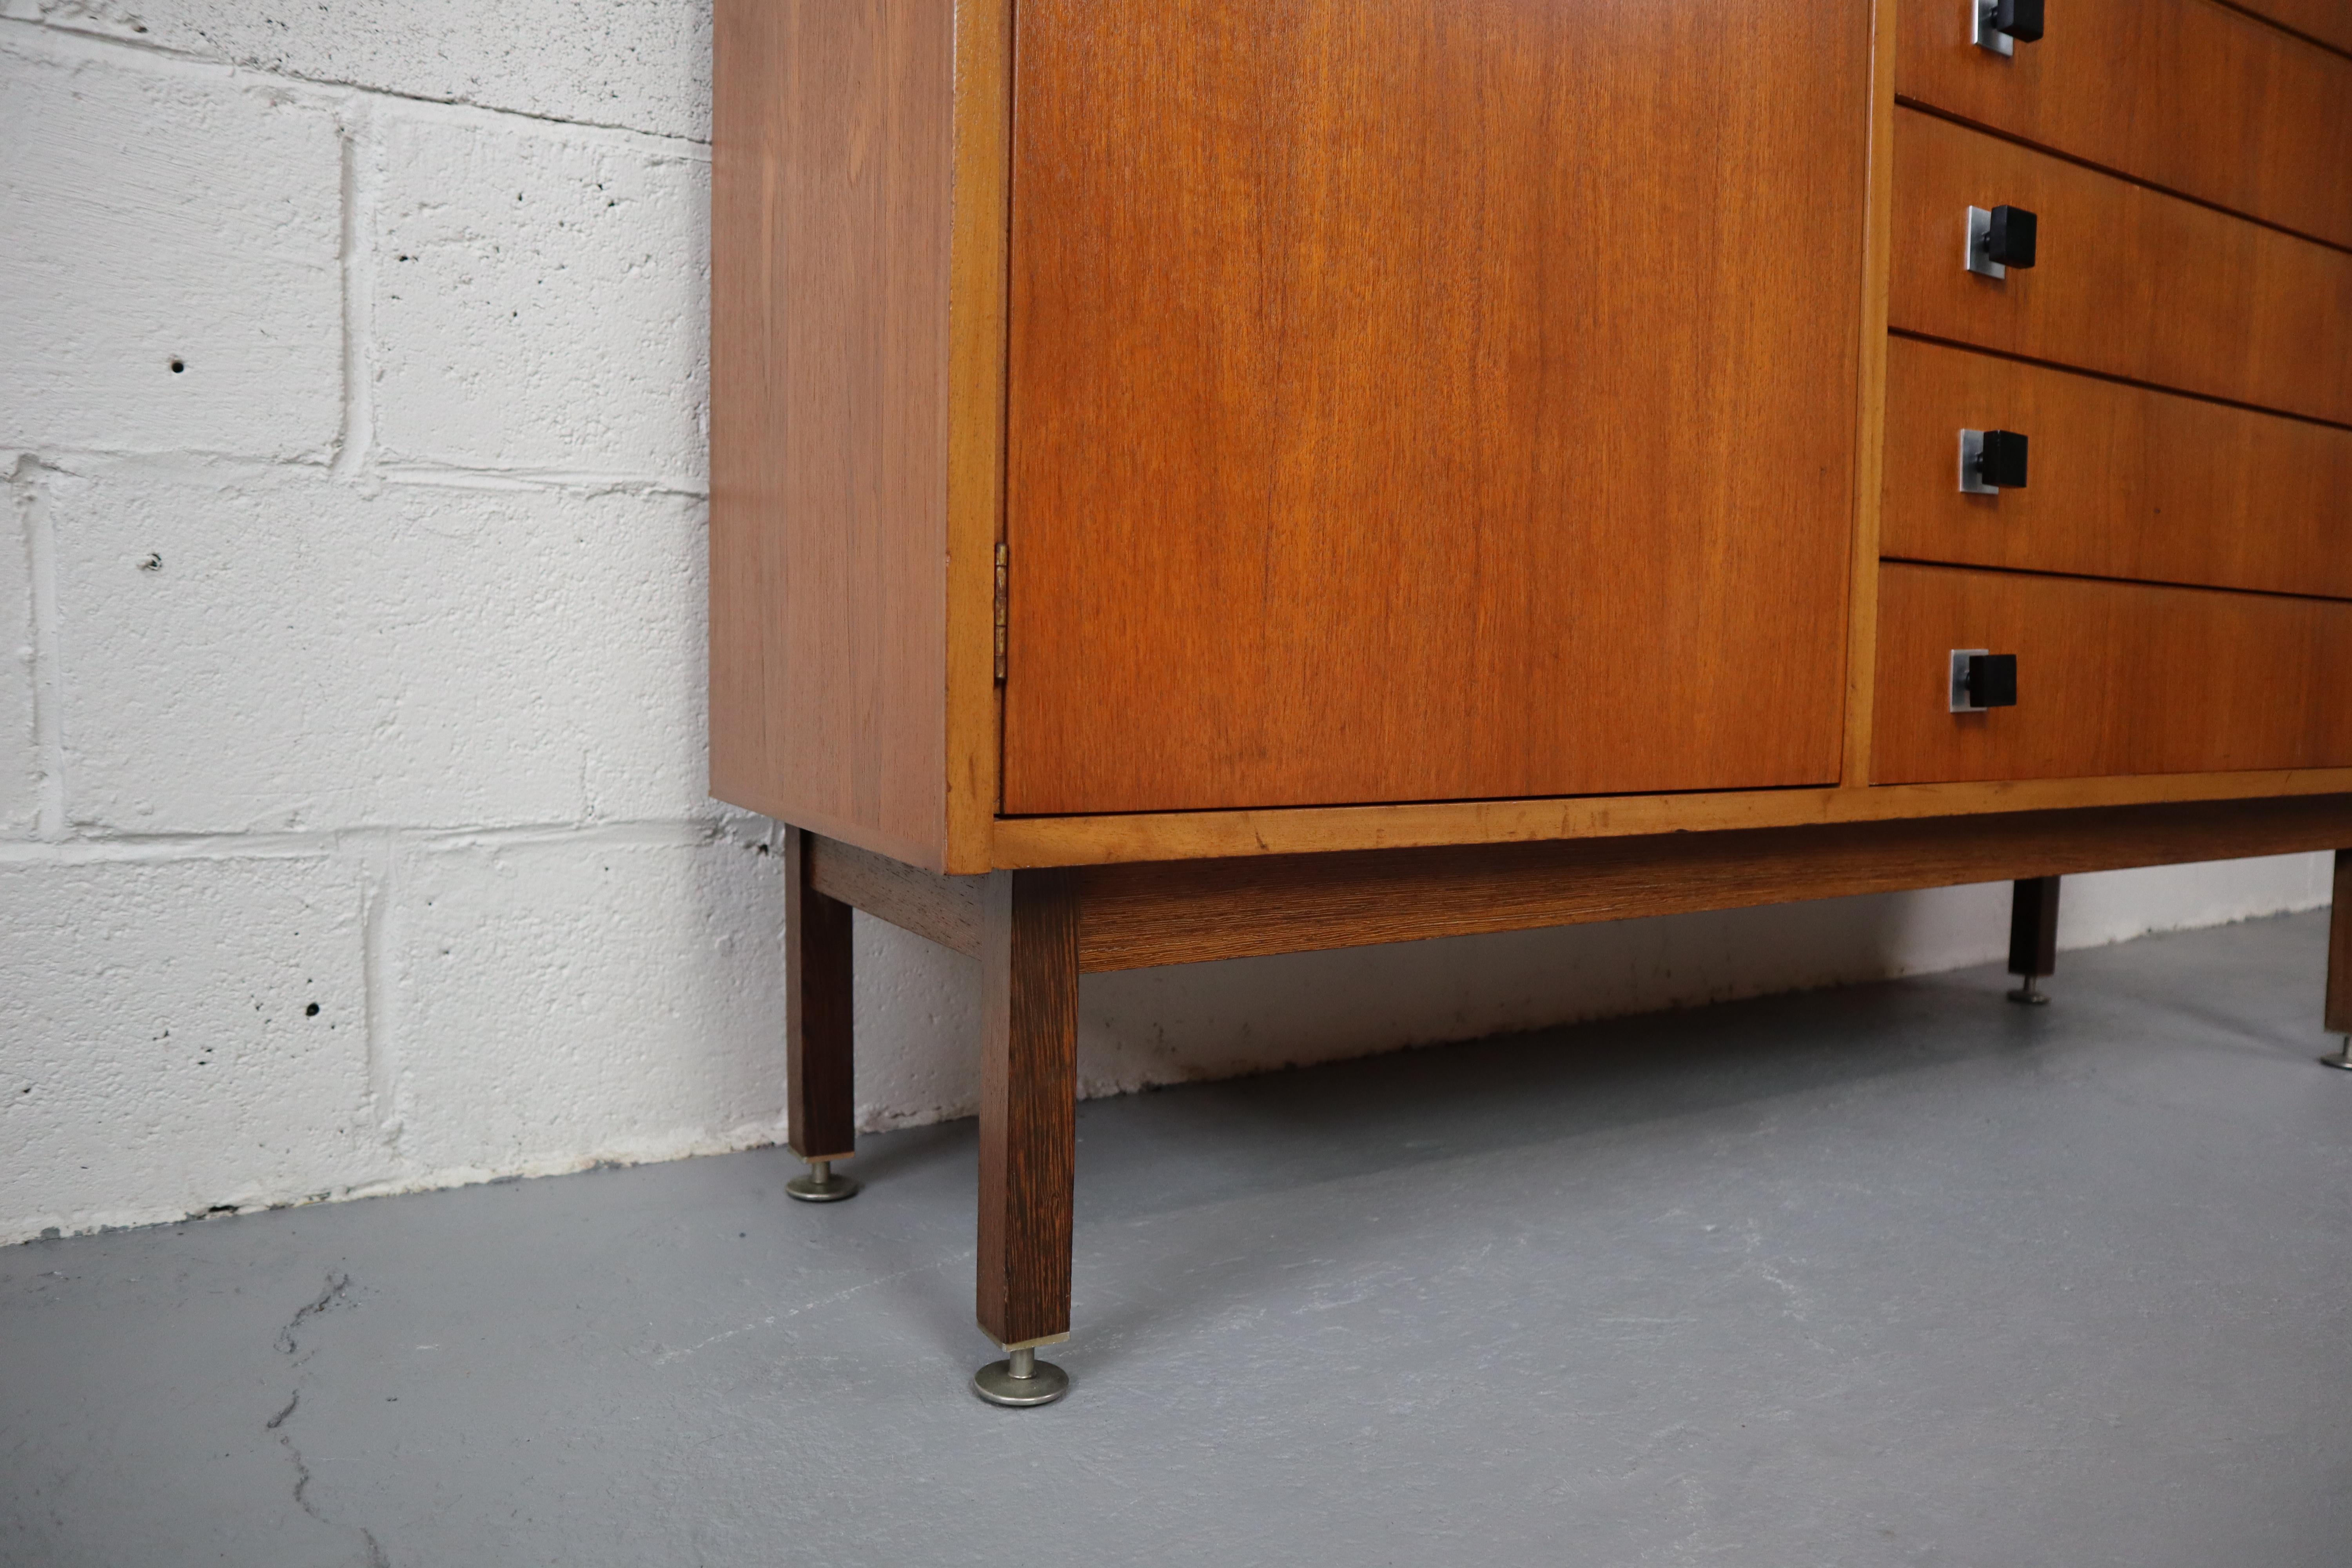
<point>1004,593</point>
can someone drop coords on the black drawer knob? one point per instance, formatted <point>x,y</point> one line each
<point>2001,239</point>
<point>1981,681</point>
<point>2003,24</point>
<point>2009,237</point>
<point>1992,461</point>
<point>1993,679</point>
<point>2021,19</point>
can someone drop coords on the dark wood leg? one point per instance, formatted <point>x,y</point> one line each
<point>820,1049</point>
<point>1028,1126</point>
<point>2339,961</point>
<point>2034,936</point>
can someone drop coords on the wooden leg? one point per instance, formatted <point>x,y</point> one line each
<point>1028,1115</point>
<point>2034,936</point>
<point>2339,961</point>
<point>820,1051</point>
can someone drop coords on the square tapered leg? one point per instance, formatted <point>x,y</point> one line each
<point>820,1053</point>
<point>2034,936</point>
<point>1028,1123</point>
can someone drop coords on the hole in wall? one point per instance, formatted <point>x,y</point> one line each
<point>178,365</point>
<point>311,1011</point>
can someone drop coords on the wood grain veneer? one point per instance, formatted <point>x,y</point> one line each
<point>2180,93</point>
<point>831,161</point>
<point>950,910</point>
<point>2327,21</point>
<point>1137,916</point>
<point>2131,282</point>
<point>2113,678</point>
<point>1396,412</point>
<point>1028,1104</point>
<point>2125,482</point>
<point>856,416</point>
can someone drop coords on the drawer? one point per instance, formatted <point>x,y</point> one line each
<point>2130,281</point>
<point>2124,482</point>
<point>2180,93</point>
<point>2112,679</point>
<point>2329,21</point>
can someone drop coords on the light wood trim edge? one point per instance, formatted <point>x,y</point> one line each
<point>1870,428</point>
<point>979,273</point>
<point>1030,842</point>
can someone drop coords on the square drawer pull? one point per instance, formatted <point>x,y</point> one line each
<point>2002,239</point>
<point>1992,461</point>
<point>1982,681</point>
<point>2003,24</point>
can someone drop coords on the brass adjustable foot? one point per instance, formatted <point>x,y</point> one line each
<point>1020,1381</point>
<point>2343,1056</point>
<point>821,1185</point>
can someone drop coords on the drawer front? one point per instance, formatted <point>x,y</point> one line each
<point>2112,679</point>
<point>2130,281</point>
<point>2180,93</point>
<point>2123,482</point>
<point>2329,21</point>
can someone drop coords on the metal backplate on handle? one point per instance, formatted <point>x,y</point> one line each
<point>1988,37</point>
<point>1979,255</point>
<point>1972,467</point>
<point>1963,699</point>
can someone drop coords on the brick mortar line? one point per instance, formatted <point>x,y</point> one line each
<point>672,833</point>
<point>361,185</point>
<point>47,679</point>
<point>691,147</point>
<point>187,462</point>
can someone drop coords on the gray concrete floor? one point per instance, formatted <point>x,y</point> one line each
<point>1895,1275</point>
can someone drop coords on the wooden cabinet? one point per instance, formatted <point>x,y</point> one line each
<point>1193,477</point>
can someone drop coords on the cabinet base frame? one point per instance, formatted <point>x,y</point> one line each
<point>1035,931</point>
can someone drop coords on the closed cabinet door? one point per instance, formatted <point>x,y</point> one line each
<point>1430,399</point>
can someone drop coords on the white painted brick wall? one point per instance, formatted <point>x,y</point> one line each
<point>540,299</point>
<point>358,663</point>
<point>266,650</point>
<point>159,1053</point>
<point>153,213</point>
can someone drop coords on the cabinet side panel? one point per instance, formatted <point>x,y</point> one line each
<point>831,215</point>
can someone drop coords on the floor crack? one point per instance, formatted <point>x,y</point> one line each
<point>339,1285</point>
<point>337,1292</point>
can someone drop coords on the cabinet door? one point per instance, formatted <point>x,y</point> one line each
<point>1430,399</point>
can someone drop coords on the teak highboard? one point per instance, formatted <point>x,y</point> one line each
<point>1202,478</point>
